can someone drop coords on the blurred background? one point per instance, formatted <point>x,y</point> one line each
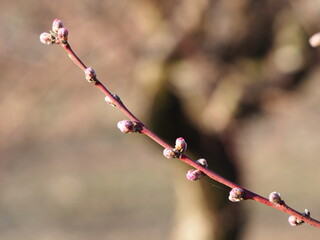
<point>237,79</point>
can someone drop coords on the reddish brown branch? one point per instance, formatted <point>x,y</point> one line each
<point>243,194</point>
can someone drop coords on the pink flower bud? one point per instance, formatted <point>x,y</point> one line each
<point>181,145</point>
<point>46,38</point>
<point>126,126</point>
<point>294,221</point>
<point>90,75</point>
<point>63,34</point>
<point>202,162</point>
<point>275,197</point>
<point>170,153</point>
<point>56,25</point>
<point>315,40</point>
<point>236,195</point>
<point>193,175</point>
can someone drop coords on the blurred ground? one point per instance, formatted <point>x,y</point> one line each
<point>243,70</point>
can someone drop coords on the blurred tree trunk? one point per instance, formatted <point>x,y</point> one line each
<point>202,208</point>
<point>207,82</point>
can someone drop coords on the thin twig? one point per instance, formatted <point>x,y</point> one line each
<point>59,36</point>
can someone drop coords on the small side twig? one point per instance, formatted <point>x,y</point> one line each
<point>59,35</point>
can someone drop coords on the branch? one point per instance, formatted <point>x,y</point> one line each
<point>59,35</point>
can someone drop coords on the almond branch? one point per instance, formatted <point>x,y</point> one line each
<point>59,35</point>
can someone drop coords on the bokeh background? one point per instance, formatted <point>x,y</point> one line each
<point>237,79</point>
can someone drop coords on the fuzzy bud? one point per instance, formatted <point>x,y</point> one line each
<point>90,75</point>
<point>128,126</point>
<point>181,145</point>
<point>56,25</point>
<point>294,221</point>
<point>46,38</point>
<point>202,162</point>
<point>236,195</point>
<point>315,40</point>
<point>275,197</point>
<point>125,126</point>
<point>193,175</point>
<point>170,153</point>
<point>63,35</point>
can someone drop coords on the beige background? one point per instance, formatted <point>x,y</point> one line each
<point>66,171</point>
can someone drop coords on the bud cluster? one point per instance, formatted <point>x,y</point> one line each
<point>57,35</point>
<point>128,126</point>
<point>195,174</point>
<point>180,147</point>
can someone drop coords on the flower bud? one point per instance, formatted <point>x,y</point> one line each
<point>63,34</point>
<point>315,40</point>
<point>202,162</point>
<point>193,175</point>
<point>181,145</point>
<point>275,197</point>
<point>170,153</point>
<point>294,221</point>
<point>46,38</point>
<point>90,75</point>
<point>126,126</point>
<point>236,195</point>
<point>56,25</point>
